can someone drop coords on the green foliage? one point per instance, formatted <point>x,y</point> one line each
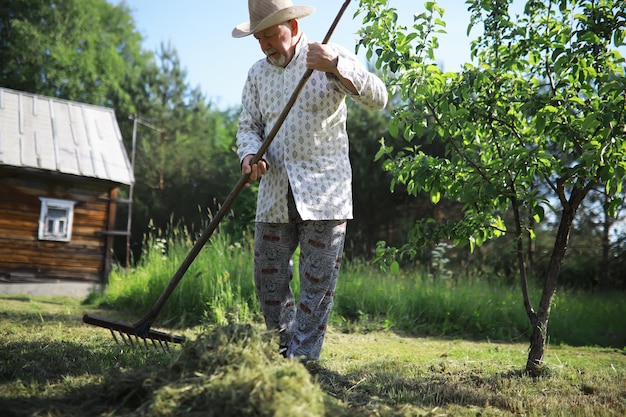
<point>542,111</point>
<point>76,49</point>
<point>186,166</point>
<point>379,213</point>
<point>90,51</point>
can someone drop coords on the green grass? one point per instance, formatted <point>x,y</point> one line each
<point>475,308</point>
<point>51,364</point>
<point>218,288</point>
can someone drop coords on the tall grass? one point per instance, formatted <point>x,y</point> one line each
<point>582,318</point>
<point>414,303</point>
<point>218,288</point>
<point>478,308</point>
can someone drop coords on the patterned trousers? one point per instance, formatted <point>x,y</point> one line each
<point>302,326</point>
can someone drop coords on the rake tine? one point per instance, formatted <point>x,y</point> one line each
<point>158,345</point>
<point>114,337</point>
<point>146,344</point>
<point>126,338</point>
<point>161,346</point>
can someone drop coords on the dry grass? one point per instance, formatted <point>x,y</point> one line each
<point>51,364</point>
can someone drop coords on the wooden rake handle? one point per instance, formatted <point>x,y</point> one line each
<point>146,321</point>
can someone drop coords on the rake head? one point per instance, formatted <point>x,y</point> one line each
<point>134,334</point>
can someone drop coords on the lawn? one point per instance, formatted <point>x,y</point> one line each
<point>51,364</point>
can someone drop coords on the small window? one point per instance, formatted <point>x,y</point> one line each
<point>55,219</point>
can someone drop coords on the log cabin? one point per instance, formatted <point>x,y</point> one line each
<point>62,164</point>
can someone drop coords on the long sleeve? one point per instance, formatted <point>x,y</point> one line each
<point>372,92</point>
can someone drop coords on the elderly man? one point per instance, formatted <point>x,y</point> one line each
<point>305,190</point>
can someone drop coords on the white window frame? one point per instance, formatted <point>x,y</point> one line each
<point>56,219</point>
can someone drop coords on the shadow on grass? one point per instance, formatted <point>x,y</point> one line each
<point>49,362</point>
<point>373,387</point>
<point>72,379</point>
<point>108,394</point>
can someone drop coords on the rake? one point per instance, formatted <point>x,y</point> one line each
<point>140,332</point>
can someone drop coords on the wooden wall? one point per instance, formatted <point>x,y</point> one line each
<point>24,257</point>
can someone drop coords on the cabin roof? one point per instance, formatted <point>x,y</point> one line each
<point>67,137</point>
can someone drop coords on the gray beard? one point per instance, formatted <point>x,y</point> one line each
<point>280,62</point>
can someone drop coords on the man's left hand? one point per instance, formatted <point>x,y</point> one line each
<point>322,57</point>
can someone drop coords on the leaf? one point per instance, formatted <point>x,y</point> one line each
<point>538,213</point>
<point>590,121</point>
<point>540,123</point>
<point>394,127</point>
<point>550,109</point>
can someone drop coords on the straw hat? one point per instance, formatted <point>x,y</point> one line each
<point>268,13</point>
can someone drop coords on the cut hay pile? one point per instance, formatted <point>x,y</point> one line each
<point>229,371</point>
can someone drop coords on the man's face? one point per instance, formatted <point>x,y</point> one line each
<point>277,43</point>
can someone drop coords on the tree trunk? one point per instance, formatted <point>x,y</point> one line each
<point>605,262</point>
<point>531,243</point>
<point>539,321</point>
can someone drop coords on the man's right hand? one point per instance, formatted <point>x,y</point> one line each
<point>255,171</point>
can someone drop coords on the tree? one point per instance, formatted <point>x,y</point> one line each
<point>185,163</point>
<point>73,49</point>
<point>532,127</point>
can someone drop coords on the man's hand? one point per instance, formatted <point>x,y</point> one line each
<point>324,58</point>
<point>255,171</point>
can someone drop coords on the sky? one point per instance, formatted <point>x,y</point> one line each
<point>200,31</point>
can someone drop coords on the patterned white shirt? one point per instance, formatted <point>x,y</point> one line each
<point>310,150</point>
